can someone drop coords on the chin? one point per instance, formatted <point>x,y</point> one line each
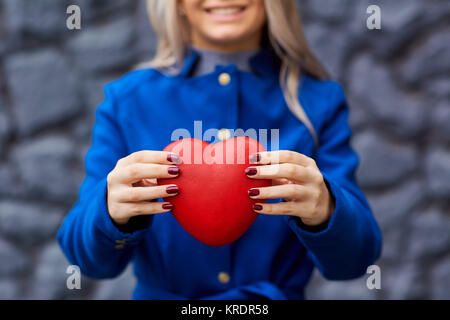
<point>226,36</point>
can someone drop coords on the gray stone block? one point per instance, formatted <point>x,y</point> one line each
<point>358,117</point>
<point>49,279</point>
<point>438,173</point>
<point>434,53</point>
<point>9,289</point>
<point>147,40</point>
<point>441,121</point>
<point>402,281</point>
<point>396,206</point>
<point>330,46</point>
<point>106,47</point>
<point>55,178</point>
<point>44,89</point>
<point>93,89</point>
<point>401,23</point>
<point>429,235</point>
<point>9,186</point>
<point>440,280</point>
<point>383,163</point>
<point>321,289</point>
<point>394,242</point>
<point>372,86</point>
<point>5,127</point>
<point>120,288</point>
<point>98,9</point>
<point>439,87</point>
<point>331,10</point>
<point>13,260</point>
<point>44,18</point>
<point>28,223</point>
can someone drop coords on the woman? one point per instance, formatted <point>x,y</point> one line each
<point>231,64</point>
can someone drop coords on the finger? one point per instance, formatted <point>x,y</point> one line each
<point>137,194</point>
<point>146,183</point>
<point>286,191</point>
<point>282,156</point>
<point>281,208</point>
<point>145,208</point>
<point>149,156</point>
<point>276,171</point>
<point>280,181</point>
<point>139,171</point>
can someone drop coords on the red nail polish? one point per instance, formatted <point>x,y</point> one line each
<point>173,158</point>
<point>251,171</point>
<point>257,207</point>
<point>253,192</point>
<point>174,171</point>
<point>172,189</point>
<point>167,206</point>
<point>255,158</point>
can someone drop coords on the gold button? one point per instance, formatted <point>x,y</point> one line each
<point>224,79</point>
<point>122,241</point>
<point>119,246</point>
<point>224,134</point>
<point>223,277</point>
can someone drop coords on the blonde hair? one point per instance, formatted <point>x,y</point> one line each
<point>286,39</point>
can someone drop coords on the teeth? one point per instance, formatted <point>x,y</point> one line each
<point>226,11</point>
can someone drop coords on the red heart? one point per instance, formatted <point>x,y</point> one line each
<point>213,204</point>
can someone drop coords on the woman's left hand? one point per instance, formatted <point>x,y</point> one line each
<point>297,179</point>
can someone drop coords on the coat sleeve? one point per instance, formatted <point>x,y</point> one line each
<point>88,236</point>
<point>351,241</point>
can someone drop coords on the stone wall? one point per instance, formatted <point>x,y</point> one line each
<point>396,80</point>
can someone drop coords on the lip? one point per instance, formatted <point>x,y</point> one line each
<point>228,17</point>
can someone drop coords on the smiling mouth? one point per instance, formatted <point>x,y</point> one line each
<point>226,11</point>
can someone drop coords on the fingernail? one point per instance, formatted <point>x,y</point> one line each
<point>174,171</point>
<point>251,171</point>
<point>253,192</point>
<point>254,158</point>
<point>257,207</point>
<point>172,189</point>
<point>167,206</point>
<point>173,158</point>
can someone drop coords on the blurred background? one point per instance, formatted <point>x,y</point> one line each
<point>397,82</point>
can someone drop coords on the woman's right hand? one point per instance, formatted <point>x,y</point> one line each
<point>132,184</point>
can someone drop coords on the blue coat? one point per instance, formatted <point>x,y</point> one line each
<point>275,258</point>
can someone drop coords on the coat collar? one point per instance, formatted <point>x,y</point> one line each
<point>263,63</point>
